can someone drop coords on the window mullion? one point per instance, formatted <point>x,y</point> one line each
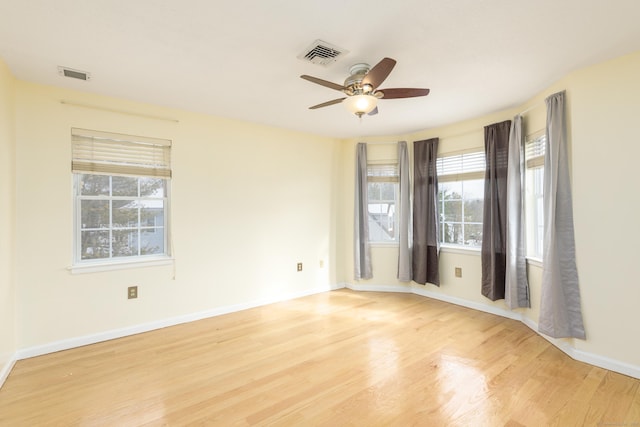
<point>139,204</point>
<point>110,217</point>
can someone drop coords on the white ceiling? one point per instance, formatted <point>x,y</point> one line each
<point>238,59</point>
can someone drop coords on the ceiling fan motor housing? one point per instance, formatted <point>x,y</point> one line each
<point>353,83</point>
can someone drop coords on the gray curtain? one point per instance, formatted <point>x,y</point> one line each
<point>494,222</point>
<point>426,245</point>
<point>560,310</point>
<point>516,284</point>
<point>404,215</point>
<point>362,249</point>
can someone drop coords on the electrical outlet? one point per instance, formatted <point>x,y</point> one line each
<point>299,266</point>
<point>321,263</point>
<point>458,272</point>
<point>132,292</point>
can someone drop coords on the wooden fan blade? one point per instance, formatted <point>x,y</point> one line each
<point>324,83</point>
<point>379,72</point>
<point>374,112</point>
<point>326,104</point>
<point>403,93</point>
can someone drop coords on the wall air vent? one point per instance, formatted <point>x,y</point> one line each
<point>322,53</point>
<point>74,74</point>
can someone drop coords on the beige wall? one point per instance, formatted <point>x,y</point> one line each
<point>606,148</point>
<point>248,203</point>
<point>603,104</point>
<point>7,218</point>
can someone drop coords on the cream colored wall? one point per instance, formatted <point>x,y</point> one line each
<point>8,343</point>
<point>248,203</point>
<point>235,245</point>
<point>603,102</point>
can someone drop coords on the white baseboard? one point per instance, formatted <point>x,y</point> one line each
<point>158,324</point>
<point>582,356</point>
<point>585,356</point>
<point>423,291</point>
<point>6,369</point>
<point>590,358</point>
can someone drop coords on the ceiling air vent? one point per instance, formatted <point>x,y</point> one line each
<point>322,53</point>
<point>74,74</point>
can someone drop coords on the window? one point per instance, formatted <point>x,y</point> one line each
<point>461,198</point>
<point>382,192</point>
<point>121,189</point>
<point>534,185</point>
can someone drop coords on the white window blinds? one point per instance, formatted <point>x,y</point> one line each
<point>104,153</point>
<point>534,151</point>
<point>382,172</point>
<point>461,166</point>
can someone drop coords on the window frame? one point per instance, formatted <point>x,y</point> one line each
<point>535,146</point>
<point>395,180</point>
<point>154,162</point>
<point>474,170</point>
<point>79,198</point>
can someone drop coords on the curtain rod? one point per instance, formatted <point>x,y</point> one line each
<point>111,110</point>
<point>533,107</point>
<point>467,132</point>
<point>381,143</point>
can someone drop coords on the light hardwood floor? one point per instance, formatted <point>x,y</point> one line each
<point>333,359</point>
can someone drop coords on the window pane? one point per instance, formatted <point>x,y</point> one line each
<point>94,185</point>
<point>125,186</point>
<point>473,210</point>
<point>94,214</point>
<point>452,233</point>
<point>388,191</point>
<point>381,229</point>
<point>473,234</point>
<point>125,243</point>
<point>125,213</point>
<point>94,244</point>
<point>374,190</point>
<point>153,187</point>
<point>152,213</point>
<point>450,190</point>
<point>473,189</point>
<point>152,241</point>
<point>452,210</point>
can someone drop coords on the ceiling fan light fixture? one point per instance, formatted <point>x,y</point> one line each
<point>360,104</point>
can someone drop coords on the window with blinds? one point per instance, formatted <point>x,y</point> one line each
<point>121,188</point>
<point>461,197</point>
<point>534,149</point>
<point>382,192</point>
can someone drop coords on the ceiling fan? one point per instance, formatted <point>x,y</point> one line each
<point>361,88</point>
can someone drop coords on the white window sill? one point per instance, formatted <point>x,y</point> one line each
<point>462,250</point>
<point>383,244</point>
<point>534,261</point>
<point>94,267</point>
